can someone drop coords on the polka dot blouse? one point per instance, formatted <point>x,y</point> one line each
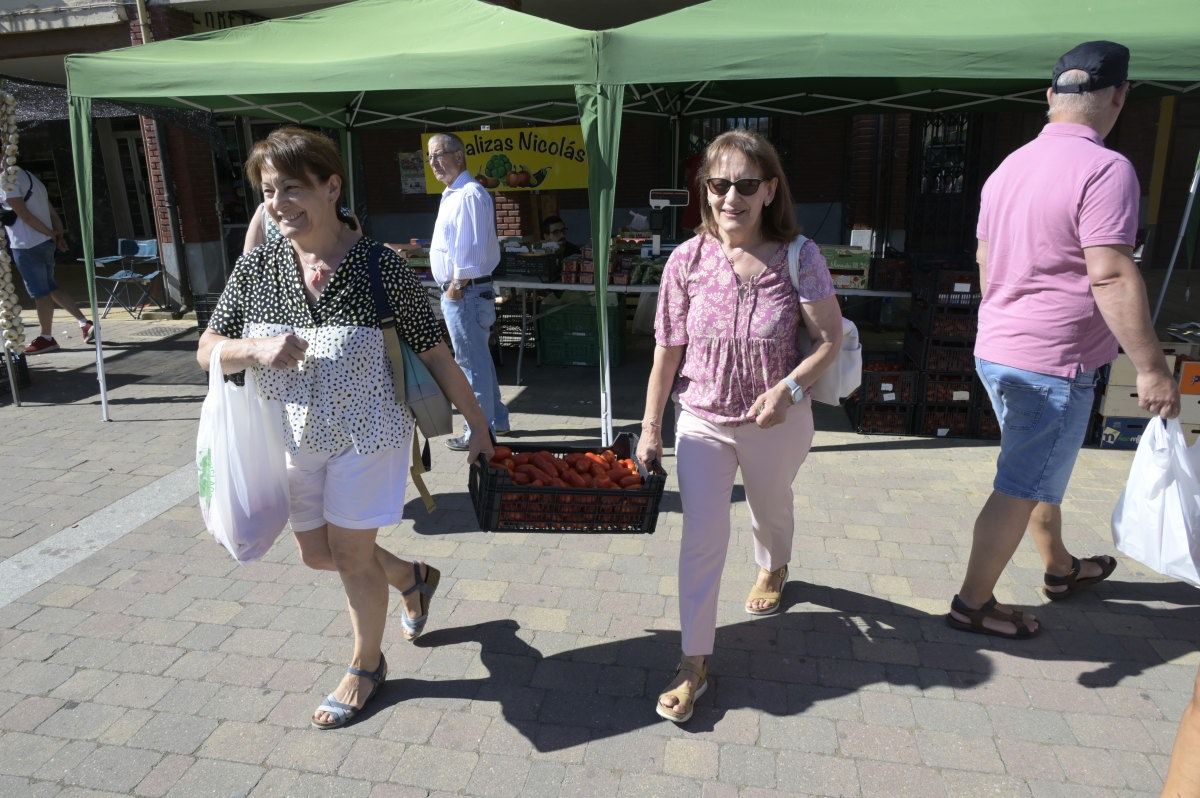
<point>342,394</point>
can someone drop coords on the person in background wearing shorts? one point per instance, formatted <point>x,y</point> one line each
<point>1056,228</point>
<point>33,238</point>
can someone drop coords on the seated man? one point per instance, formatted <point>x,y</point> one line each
<point>554,229</point>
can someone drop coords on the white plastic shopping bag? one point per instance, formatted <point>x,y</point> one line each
<point>240,466</point>
<point>1157,519</point>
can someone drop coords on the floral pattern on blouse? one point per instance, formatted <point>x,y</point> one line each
<point>741,338</point>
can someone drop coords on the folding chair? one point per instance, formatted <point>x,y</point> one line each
<point>128,288</point>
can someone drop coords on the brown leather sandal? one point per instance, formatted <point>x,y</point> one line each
<point>772,597</point>
<point>989,609</point>
<point>685,693</point>
<point>1072,581</point>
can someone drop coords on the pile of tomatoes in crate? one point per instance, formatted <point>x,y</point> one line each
<point>602,469</point>
<point>585,491</point>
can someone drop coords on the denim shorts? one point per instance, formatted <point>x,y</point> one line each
<point>36,266</point>
<point>1043,420</point>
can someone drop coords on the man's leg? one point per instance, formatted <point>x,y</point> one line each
<point>67,303</point>
<point>45,314</point>
<point>998,531</point>
<point>1183,775</point>
<point>469,320</point>
<point>1045,526</point>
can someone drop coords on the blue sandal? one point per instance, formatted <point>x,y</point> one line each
<point>344,713</point>
<point>427,587</point>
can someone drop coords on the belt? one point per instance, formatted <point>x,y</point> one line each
<point>472,281</point>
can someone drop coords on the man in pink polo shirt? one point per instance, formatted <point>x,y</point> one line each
<point>1056,228</point>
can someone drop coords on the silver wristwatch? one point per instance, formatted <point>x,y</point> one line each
<point>796,388</point>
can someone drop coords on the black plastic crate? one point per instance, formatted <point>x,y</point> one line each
<point>945,322</point>
<point>876,418</point>
<point>945,420</point>
<point>20,368</point>
<point>501,505</point>
<point>939,388</point>
<point>984,422</point>
<point>929,354</point>
<point>886,378</point>
<point>948,287</point>
<point>204,304</point>
<point>891,274</point>
<point>546,267</point>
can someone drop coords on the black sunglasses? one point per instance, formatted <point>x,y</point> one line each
<point>556,230</point>
<point>747,186</point>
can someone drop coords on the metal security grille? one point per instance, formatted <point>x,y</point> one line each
<point>705,129</point>
<point>945,186</point>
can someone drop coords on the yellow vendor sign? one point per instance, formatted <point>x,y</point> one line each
<point>520,159</point>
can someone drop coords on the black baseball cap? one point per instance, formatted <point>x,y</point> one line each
<point>1107,64</point>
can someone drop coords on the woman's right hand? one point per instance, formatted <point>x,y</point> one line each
<point>650,448</point>
<point>280,351</point>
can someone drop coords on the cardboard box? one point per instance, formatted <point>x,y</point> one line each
<point>1122,433</point>
<point>1189,376</point>
<point>1122,401</point>
<point>849,279</point>
<point>852,258</point>
<point>1123,372</point>
<point>1191,432</point>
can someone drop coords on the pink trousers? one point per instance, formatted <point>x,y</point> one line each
<point>708,457</point>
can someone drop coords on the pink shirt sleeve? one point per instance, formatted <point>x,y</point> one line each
<point>670,323</point>
<point>981,229</point>
<point>813,274</point>
<point>1108,209</point>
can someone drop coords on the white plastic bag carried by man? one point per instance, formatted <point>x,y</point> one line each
<point>240,466</point>
<point>1157,519</point>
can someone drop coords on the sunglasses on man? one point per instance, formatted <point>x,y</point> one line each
<point>556,231</point>
<point>747,186</point>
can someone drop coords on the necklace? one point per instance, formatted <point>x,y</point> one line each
<point>315,275</point>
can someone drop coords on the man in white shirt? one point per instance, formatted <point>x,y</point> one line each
<point>462,255</point>
<point>33,237</point>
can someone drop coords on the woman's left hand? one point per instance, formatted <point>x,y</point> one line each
<point>771,407</point>
<point>479,444</point>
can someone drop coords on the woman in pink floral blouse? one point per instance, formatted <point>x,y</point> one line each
<point>727,353</point>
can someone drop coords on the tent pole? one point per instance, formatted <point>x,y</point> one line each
<point>1183,225</point>
<point>348,157</point>
<point>600,117</point>
<point>81,153</point>
<point>14,390</point>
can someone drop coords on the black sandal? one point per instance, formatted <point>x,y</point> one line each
<point>1072,580</point>
<point>976,618</point>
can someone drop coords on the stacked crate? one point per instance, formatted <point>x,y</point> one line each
<point>884,402</point>
<point>940,346</point>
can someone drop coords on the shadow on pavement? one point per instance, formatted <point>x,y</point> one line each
<point>828,643</point>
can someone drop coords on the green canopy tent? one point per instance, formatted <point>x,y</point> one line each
<point>808,57</point>
<point>423,62</point>
<point>430,63</point>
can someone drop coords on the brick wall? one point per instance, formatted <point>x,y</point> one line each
<point>193,183</point>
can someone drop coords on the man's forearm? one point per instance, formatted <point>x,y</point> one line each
<point>1122,302</point>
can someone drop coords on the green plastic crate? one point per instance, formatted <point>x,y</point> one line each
<point>567,336</point>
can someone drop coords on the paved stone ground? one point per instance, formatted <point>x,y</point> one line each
<point>157,666</point>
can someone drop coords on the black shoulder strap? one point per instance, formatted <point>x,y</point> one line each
<point>383,306</point>
<point>391,342</point>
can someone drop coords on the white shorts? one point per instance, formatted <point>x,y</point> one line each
<point>347,489</point>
